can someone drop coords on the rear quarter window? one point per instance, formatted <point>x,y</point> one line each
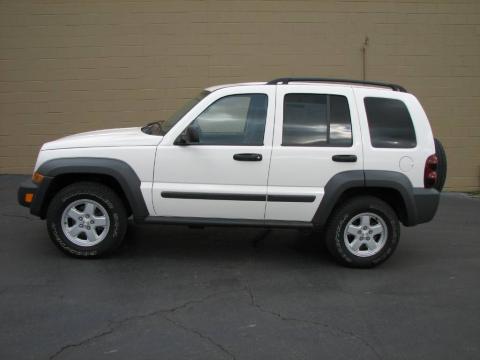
<point>389,123</point>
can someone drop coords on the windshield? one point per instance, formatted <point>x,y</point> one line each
<point>158,128</point>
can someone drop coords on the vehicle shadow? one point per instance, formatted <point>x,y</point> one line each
<point>222,244</point>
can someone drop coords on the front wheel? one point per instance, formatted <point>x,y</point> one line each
<point>86,219</point>
<point>363,232</point>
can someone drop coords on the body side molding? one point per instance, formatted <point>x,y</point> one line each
<point>212,196</point>
<point>237,197</point>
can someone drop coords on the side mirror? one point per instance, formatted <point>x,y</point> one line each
<point>190,136</point>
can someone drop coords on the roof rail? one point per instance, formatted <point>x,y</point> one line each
<point>286,80</point>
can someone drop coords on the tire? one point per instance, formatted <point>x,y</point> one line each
<point>378,248</point>
<point>85,205</point>
<point>442,165</point>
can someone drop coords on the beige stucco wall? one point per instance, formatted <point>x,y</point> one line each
<point>70,66</point>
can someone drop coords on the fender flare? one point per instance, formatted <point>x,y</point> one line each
<point>346,180</point>
<point>117,169</point>
<point>334,188</point>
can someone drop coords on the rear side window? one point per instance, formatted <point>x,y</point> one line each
<point>390,123</point>
<point>316,120</point>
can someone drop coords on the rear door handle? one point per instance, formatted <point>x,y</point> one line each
<point>247,157</point>
<point>344,158</point>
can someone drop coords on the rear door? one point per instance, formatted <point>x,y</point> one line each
<point>316,136</point>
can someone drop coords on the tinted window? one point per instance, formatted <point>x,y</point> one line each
<point>234,120</point>
<point>316,120</point>
<point>390,123</point>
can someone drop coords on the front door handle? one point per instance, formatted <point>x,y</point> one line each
<point>247,157</point>
<point>344,158</point>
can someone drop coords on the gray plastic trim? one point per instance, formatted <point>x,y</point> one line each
<point>420,204</point>
<point>119,170</point>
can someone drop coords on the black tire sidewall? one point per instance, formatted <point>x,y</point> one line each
<point>335,232</point>
<point>104,197</point>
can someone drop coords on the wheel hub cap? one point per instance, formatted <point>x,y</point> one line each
<point>365,234</point>
<point>85,222</point>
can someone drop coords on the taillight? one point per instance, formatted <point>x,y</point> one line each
<point>430,175</point>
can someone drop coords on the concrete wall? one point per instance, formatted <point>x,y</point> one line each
<point>70,66</point>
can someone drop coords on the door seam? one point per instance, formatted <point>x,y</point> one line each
<point>271,151</point>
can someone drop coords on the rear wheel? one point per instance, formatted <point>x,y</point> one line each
<point>363,232</point>
<point>86,219</point>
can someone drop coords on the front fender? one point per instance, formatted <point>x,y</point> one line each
<point>117,169</point>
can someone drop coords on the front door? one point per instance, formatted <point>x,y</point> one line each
<point>224,173</point>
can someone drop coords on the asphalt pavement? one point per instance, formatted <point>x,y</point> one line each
<point>172,292</point>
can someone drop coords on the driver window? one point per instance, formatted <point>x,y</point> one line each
<point>233,120</point>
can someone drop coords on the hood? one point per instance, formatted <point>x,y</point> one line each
<point>103,138</point>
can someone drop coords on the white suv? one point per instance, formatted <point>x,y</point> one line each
<point>351,159</point>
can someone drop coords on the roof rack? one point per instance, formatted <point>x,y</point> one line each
<point>286,80</point>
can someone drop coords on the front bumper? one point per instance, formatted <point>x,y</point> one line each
<point>26,188</point>
<point>39,192</point>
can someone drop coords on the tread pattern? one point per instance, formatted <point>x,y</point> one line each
<point>100,193</point>
<point>340,217</point>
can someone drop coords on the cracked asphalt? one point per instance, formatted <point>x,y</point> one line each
<point>234,293</point>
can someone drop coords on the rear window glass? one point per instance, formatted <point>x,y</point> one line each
<point>316,120</point>
<point>390,123</point>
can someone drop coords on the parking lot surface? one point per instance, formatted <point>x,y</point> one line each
<point>234,293</point>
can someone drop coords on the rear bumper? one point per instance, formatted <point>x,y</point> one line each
<point>426,205</point>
